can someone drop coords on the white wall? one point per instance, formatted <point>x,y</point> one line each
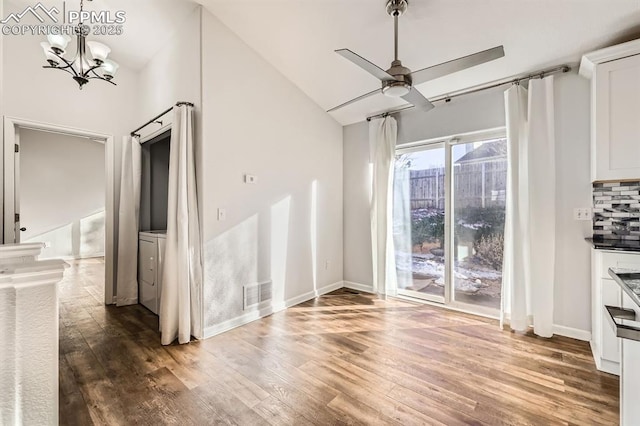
<point>256,121</point>
<point>173,74</point>
<point>62,193</point>
<point>478,112</point>
<point>573,189</point>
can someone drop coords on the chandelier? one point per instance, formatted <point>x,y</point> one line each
<point>82,67</point>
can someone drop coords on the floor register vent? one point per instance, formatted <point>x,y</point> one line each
<point>256,294</point>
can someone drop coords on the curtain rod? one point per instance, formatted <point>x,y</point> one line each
<point>480,88</point>
<point>154,119</point>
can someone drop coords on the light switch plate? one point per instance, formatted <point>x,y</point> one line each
<point>251,179</point>
<point>222,214</point>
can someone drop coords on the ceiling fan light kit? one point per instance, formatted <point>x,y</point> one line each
<point>399,81</point>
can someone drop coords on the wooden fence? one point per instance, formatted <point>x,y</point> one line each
<point>481,184</point>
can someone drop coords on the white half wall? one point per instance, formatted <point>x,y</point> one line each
<point>287,227</point>
<point>62,193</point>
<point>482,111</point>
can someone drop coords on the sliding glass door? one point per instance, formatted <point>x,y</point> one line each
<point>419,222</point>
<point>448,221</point>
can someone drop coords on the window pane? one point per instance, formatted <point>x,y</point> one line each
<point>479,186</point>
<point>418,221</point>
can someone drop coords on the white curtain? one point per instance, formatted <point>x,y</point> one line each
<point>182,272</point>
<point>401,223</point>
<point>383,134</point>
<point>128,215</point>
<point>529,247</point>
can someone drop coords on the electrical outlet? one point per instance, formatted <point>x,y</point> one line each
<point>326,264</point>
<point>582,214</point>
<point>222,215</point>
<point>250,179</point>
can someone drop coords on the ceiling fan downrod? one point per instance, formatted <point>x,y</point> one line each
<point>395,9</point>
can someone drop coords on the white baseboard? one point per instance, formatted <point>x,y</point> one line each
<point>268,310</point>
<point>313,294</point>
<point>237,322</point>
<point>572,333</point>
<point>359,287</point>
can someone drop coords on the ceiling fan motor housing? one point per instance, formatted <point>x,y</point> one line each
<point>402,83</point>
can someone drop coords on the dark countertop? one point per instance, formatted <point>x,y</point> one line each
<point>629,281</point>
<point>618,245</point>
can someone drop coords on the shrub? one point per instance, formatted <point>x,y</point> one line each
<point>489,250</point>
<point>430,228</point>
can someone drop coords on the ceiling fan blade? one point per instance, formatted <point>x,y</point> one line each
<point>445,68</point>
<point>366,95</point>
<point>418,100</point>
<point>371,68</point>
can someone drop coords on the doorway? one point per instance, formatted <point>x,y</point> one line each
<point>448,220</point>
<point>74,227</point>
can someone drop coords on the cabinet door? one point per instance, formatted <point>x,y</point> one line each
<point>617,120</point>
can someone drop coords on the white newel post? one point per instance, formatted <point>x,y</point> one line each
<point>28,336</point>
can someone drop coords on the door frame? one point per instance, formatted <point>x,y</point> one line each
<point>427,146</point>
<point>12,127</point>
<point>448,142</point>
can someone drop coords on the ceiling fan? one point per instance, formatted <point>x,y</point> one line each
<point>399,81</point>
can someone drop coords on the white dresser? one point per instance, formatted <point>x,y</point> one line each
<point>151,246</point>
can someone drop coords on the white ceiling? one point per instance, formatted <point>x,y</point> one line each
<point>149,24</point>
<point>298,37</point>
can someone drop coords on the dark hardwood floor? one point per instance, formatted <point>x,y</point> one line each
<point>343,358</point>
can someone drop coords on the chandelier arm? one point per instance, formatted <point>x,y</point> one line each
<point>97,76</point>
<point>65,69</point>
<point>101,78</point>
<point>68,67</point>
<point>92,70</point>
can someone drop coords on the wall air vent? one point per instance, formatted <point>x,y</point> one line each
<point>256,294</point>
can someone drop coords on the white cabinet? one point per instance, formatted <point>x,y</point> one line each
<point>150,261</point>
<point>615,108</point>
<point>605,291</point>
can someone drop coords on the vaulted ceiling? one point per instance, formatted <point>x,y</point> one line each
<point>149,24</point>
<point>298,37</point>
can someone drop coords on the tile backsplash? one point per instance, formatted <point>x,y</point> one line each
<point>616,210</point>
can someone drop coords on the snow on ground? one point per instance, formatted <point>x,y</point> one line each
<point>429,266</point>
